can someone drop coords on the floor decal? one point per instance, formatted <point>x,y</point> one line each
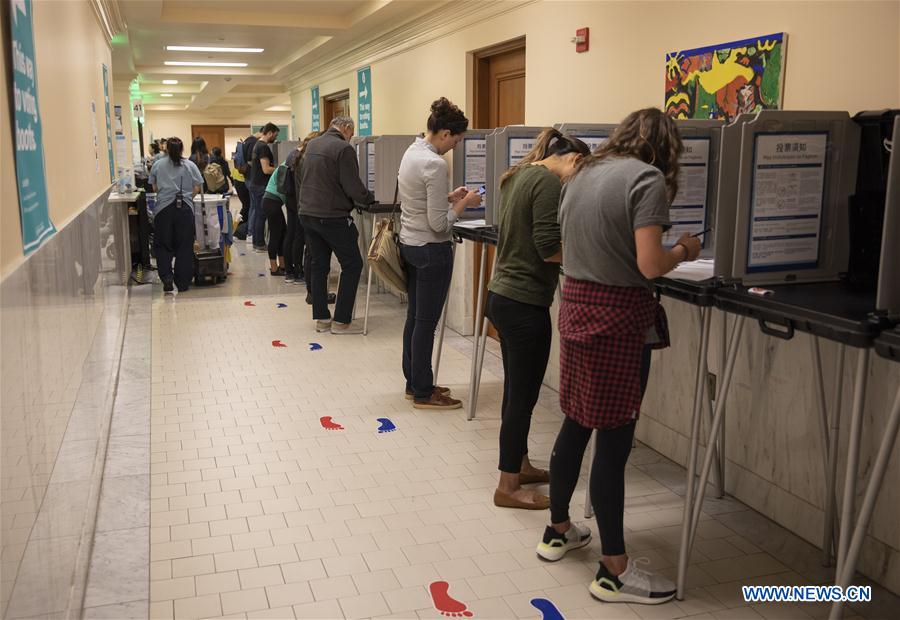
<point>329,424</point>
<point>249,303</point>
<point>386,426</point>
<point>547,608</point>
<point>445,604</point>
<point>315,346</point>
<point>278,344</point>
<point>281,305</point>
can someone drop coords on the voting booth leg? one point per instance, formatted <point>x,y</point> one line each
<point>856,420</point>
<point>439,349</point>
<point>834,440</point>
<point>829,444</point>
<point>684,553</point>
<point>885,450</point>
<point>482,346</point>
<point>479,310</point>
<point>588,504</point>
<point>368,296</point>
<point>699,393</point>
<point>720,441</point>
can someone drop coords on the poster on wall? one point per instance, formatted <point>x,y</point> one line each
<point>722,81</point>
<point>109,134</point>
<point>364,100</point>
<point>315,109</point>
<point>30,172</point>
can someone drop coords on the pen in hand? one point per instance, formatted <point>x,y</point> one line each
<point>703,232</point>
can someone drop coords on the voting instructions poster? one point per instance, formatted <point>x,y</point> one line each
<point>787,200</point>
<point>593,142</point>
<point>370,165</point>
<point>475,166</point>
<point>519,148</point>
<point>688,211</point>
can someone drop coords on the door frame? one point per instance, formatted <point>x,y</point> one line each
<point>479,78</point>
<point>221,127</point>
<point>329,99</point>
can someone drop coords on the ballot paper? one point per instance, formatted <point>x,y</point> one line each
<point>694,271</point>
<point>471,224</point>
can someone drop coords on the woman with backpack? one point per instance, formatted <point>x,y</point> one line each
<point>200,157</point>
<point>273,200</point>
<point>224,172</point>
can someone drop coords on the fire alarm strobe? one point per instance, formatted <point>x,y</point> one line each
<point>582,40</point>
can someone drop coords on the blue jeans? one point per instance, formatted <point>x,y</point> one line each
<point>256,225</point>
<point>428,272</point>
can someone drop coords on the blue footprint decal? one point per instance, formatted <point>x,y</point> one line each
<point>281,305</point>
<point>547,608</point>
<point>386,426</point>
<point>315,346</point>
<point>261,275</point>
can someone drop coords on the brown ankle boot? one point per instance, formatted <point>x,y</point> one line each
<point>438,400</point>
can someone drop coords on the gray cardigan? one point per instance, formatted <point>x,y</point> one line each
<point>424,182</point>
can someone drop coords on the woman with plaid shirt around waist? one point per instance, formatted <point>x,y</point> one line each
<point>612,215</point>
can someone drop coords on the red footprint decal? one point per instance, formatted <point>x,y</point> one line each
<point>444,603</point>
<point>278,343</point>
<point>249,303</point>
<point>329,424</point>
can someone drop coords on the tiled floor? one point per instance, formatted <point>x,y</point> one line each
<point>257,511</point>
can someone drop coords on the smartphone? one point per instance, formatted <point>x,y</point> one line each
<point>482,190</point>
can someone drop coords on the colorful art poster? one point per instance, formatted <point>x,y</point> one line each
<point>30,172</point>
<point>364,99</point>
<point>316,118</point>
<point>722,81</point>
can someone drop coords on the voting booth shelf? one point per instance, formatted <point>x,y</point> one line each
<point>470,169</point>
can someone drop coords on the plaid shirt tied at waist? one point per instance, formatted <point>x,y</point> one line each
<point>603,330</point>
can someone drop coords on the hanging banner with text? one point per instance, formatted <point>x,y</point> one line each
<point>316,122</point>
<point>109,141</point>
<point>364,101</point>
<point>32,182</point>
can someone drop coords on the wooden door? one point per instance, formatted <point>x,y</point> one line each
<point>499,89</point>
<point>213,134</point>
<point>336,105</point>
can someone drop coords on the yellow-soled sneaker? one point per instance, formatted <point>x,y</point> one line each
<point>555,545</point>
<point>635,585</point>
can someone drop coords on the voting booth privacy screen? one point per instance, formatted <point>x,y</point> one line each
<point>365,155</point>
<point>470,168</point>
<point>888,297</point>
<point>506,146</point>
<point>387,153</point>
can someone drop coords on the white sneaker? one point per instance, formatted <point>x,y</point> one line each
<point>323,326</point>
<point>346,328</point>
<point>635,585</point>
<point>555,545</point>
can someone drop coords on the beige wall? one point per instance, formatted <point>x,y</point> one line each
<point>69,77</point>
<point>178,124</point>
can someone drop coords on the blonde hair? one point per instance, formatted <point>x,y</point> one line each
<point>650,136</point>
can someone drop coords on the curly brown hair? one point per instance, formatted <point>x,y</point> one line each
<point>648,135</point>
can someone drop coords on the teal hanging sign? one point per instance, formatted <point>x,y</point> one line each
<point>32,183</point>
<point>364,100</point>
<point>109,142</point>
<point>316,119</point>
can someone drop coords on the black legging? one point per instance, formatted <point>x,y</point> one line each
<point>277,226</point>
<point>294,244</point>
<point>525,335</point>
<point>607,483</point>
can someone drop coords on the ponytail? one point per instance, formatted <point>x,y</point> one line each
<point>549,142</point>
<point>174,148</point>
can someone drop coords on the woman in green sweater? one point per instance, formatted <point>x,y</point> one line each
<point>521,293</point>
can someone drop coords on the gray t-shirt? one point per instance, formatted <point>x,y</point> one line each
<point>599,211</point>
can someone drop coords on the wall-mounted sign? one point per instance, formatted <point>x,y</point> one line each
<point>137,109</point>
<point>30,174</point>
<point>316,119</point>
<point>364,99</point>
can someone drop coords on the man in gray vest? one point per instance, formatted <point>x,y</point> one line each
<point>330,188</point>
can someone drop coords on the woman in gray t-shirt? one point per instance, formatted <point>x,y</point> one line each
<point>612,215</point>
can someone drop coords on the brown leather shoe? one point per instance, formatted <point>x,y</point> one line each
<point>543,477</point>
<point>438,400</point>
<point>443,390</point>
<point>502,500</point>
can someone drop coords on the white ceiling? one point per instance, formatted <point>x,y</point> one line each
<point>292,32</point>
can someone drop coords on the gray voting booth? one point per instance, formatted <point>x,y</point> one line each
<point>888,296</point>
<point>592,134</point>
<point>695,207</point>
<point>386,155</point>
<point>796,173</point>
<point>470,168</point>
<point>506,146</point>
<point>282,149</point>
<point>365,155</point>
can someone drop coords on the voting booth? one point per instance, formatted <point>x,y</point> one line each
<point>506,146</point>
<point>283,148</point>
<point>797,171</point>
<point>470,168</point>
<point>386,155</point>
<point>888,292</point>
<point>365,155</point>
<point>592,134</point>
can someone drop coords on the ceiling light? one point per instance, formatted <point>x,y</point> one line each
<point>165,94</point>
<point>170,82</point>
<point>195,48</point>
<point>178,63</point>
